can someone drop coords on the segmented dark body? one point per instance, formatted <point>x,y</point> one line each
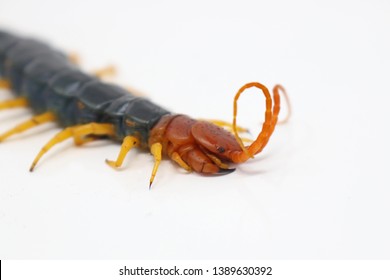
<point>51,83</point>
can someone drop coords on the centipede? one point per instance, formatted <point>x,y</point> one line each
<point>88,108</point>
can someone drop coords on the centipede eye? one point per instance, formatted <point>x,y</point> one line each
<point>221,149</point>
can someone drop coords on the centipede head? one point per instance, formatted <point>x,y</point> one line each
<point>196,145</point>
<point>215,141</point>
<point>207,148</point>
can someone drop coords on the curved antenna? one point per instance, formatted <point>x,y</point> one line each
<point>280,88</point>
<point>271,119</point>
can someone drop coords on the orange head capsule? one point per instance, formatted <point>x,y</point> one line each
<point>207,148</point>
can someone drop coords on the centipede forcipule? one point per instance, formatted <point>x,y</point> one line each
<point>88,108</point>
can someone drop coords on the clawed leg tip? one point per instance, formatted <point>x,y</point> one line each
<point>225,171</point>
<point>112,164</point>
<point>32,167</point>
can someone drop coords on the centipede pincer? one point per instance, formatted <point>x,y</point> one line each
<point>48,81</point>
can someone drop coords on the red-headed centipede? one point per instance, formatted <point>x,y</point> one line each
<point>52,85</point>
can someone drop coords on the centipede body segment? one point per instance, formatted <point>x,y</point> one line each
<point>56,89</point>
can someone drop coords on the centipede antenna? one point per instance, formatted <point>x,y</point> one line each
<point>257,145</point>
<point>20,102</point>
<point>280,88</point>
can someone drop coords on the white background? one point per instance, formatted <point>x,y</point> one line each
<point>320,189</point>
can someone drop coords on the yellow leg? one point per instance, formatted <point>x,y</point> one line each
<point>135,91</point>
<point>227,125</point>
<point>74,58</point>
<point>35,121</point>
<point>78,141</point>
<point>156,150</point>
<point>244,139</point>
<point>128,143</point>
<point>107,71</point>
<point>63,135</point>
<point>84,133</point>
<point>4,84</point>
<point>176,157</point>
<point>218,162</point>
<point>78,133</point>
<point>14,103</point>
